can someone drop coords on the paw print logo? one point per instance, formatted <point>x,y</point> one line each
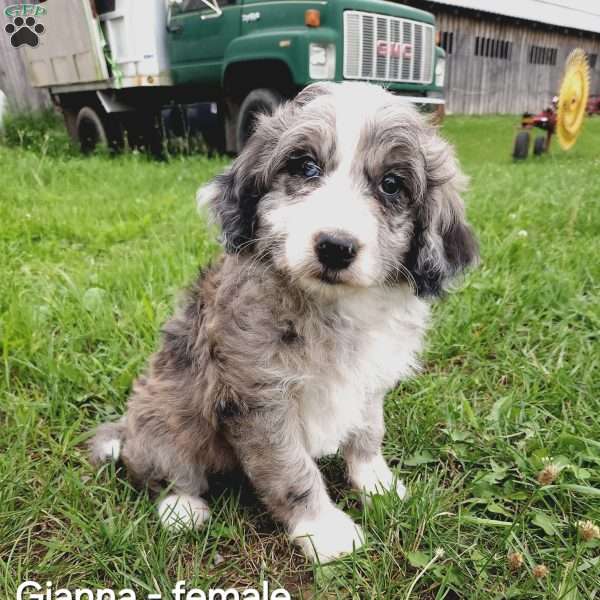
<point>24,32</point>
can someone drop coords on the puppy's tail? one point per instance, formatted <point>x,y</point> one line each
<point>105,445</point>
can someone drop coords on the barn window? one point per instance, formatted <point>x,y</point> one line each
<point>492,48</point>
<point>592,60</point>
<point>542,55</point>
<point>447,41</point>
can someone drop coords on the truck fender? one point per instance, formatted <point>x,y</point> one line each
<point>289,49</point>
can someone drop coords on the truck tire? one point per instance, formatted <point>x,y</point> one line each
<point>96,129</point>
<point>144,131</point>
<point>261,100</point>
<point>91,132</point>
<point>521,149</point>
<point>539,146</point>
<point>214,139</point>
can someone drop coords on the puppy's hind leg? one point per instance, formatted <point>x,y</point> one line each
<point>182,508</point>
<point>183,474</point>
<point>180,511</point>
<point>149,465</point>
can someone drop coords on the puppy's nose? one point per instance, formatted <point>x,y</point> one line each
<point>335,252</point>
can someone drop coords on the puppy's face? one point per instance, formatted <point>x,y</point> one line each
<point>346,186</point>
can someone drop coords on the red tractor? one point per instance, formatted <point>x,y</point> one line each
<point>593,107</point>
<point>566,114</point>
<point>545,120</point>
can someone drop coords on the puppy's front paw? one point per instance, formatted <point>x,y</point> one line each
<point>374,477</point>
<point>328,536</point>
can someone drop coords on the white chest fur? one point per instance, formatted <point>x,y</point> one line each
<point>387,329</point>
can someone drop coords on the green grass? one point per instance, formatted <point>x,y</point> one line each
<point>94,252</point>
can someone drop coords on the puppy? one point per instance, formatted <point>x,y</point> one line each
<point>341,219</point>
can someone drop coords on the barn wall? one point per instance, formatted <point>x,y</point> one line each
<point>480,84</point>
<point>13,78</point>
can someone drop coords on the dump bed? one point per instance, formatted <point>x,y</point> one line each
<point>70,50</point>
<point>99,44</point>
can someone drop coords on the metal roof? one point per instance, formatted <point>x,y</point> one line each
<point>574,14</point>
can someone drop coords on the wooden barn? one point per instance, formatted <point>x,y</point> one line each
<point>508,57</point>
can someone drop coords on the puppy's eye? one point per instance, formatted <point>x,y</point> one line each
<point>391,185</point>
<point>305,166</point>
<point>311,169</point>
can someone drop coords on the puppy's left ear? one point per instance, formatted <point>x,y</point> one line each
<point>443,243</point>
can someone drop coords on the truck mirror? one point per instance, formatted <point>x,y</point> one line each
<point>172,4</point>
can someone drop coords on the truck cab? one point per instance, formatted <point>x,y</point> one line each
<point>257,53</point>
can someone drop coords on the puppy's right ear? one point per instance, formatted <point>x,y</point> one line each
<point>232,198</point>
<point>205,196</point>
<point>234,195</point>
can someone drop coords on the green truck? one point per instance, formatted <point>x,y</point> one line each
<point>126,70</point>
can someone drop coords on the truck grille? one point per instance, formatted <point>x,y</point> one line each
<point>387,48</point>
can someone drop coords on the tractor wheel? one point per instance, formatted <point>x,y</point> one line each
<point>539,146</point>
<point>521,149</point>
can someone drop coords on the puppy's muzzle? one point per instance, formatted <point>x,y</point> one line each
<point>335,252</point>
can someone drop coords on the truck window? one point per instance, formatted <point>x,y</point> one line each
<point>104,6</point>
<point>190,5</point>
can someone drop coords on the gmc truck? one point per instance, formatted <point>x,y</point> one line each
<point>131,71</point>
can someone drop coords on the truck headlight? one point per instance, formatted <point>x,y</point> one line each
<point>321,61</point>
<point>440,72</point>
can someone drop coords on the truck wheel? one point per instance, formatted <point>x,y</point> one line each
<point>539,146</point>
<point>95,129</point>
<point>214,139</point>
<point>521,149</point>
<point>91,132</point>
<point>262,100</point>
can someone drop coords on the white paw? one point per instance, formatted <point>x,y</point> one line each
<point>109,450</point>
<point>374,478</point>
<point>330,535</point>
<point>180,511</point>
